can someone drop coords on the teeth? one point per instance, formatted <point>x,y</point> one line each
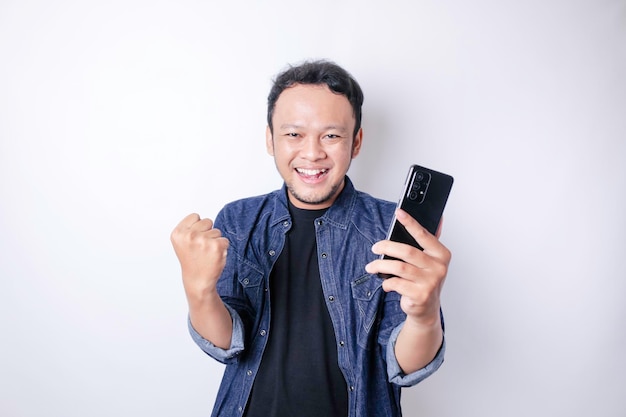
<point>311,172</point>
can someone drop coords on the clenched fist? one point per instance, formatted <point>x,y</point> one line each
<point>201,251</point>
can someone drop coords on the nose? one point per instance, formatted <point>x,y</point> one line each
<point>312,149</point>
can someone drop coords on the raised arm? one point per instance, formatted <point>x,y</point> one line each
<point>201,251</point>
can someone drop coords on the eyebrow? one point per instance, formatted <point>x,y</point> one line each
<point>297,126</point>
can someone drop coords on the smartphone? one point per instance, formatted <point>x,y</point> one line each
<point>424,198</point>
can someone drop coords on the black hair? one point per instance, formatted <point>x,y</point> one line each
<point>318,72</point>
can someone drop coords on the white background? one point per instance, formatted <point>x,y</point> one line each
<point>118,118</point>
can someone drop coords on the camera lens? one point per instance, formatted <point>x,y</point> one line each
<point>416,185</point>
<point>413,195</point>
<point>419,176</point>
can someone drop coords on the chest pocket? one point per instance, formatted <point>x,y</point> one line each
<point>367,293</point>
<point>251,282</point>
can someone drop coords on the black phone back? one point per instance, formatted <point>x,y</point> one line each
<point>424,198</point>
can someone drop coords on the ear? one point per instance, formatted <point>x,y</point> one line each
<point>269,141</point>
<point>357,142</point>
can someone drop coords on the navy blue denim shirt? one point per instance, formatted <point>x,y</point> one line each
<point>366,320</point>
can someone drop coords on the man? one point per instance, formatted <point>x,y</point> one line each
<point>285,288</point>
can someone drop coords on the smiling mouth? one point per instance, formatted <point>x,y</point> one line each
<point>311,173</point>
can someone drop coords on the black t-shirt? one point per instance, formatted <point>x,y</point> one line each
<point>299,374</point>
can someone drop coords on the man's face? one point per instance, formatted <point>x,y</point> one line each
<point>312,144</point>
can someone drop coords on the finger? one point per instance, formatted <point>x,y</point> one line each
<point>399,285</point>
<point>402,251</point>
<point>428,241</point>
<point>224,244</point>
<point>417,299</point>
<point>213,234</point>
<point>202,225</point>
<point>188,221</point>
<point>183,226</point>
<point>393,268</point>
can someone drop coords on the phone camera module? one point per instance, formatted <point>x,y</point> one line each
<point>418,189</point>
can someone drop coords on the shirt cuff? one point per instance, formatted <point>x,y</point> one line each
<point>236,343</point>
<point>394,372</point>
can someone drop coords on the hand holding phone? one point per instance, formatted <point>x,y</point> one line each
<point>419,277</point>
<point>424,198</point>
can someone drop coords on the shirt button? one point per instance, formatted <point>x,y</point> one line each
<point>272,252</point>
<point>342,343</point>
<point>324,255</point>
<point>240,409</point>
<point>351,387</point>
<point>262,332</point>
<point>319,222</point>
<point>249,373</point>
<point>285,223</point>
<point>246,281</point>
<point>331,298</point>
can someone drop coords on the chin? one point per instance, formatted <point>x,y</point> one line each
<point>325,198</point>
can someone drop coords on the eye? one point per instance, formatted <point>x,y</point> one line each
<point>292,134</point>
<point>332,136</point>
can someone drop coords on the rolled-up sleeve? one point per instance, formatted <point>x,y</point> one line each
<point>394,372</point>
<point>224,356</point>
